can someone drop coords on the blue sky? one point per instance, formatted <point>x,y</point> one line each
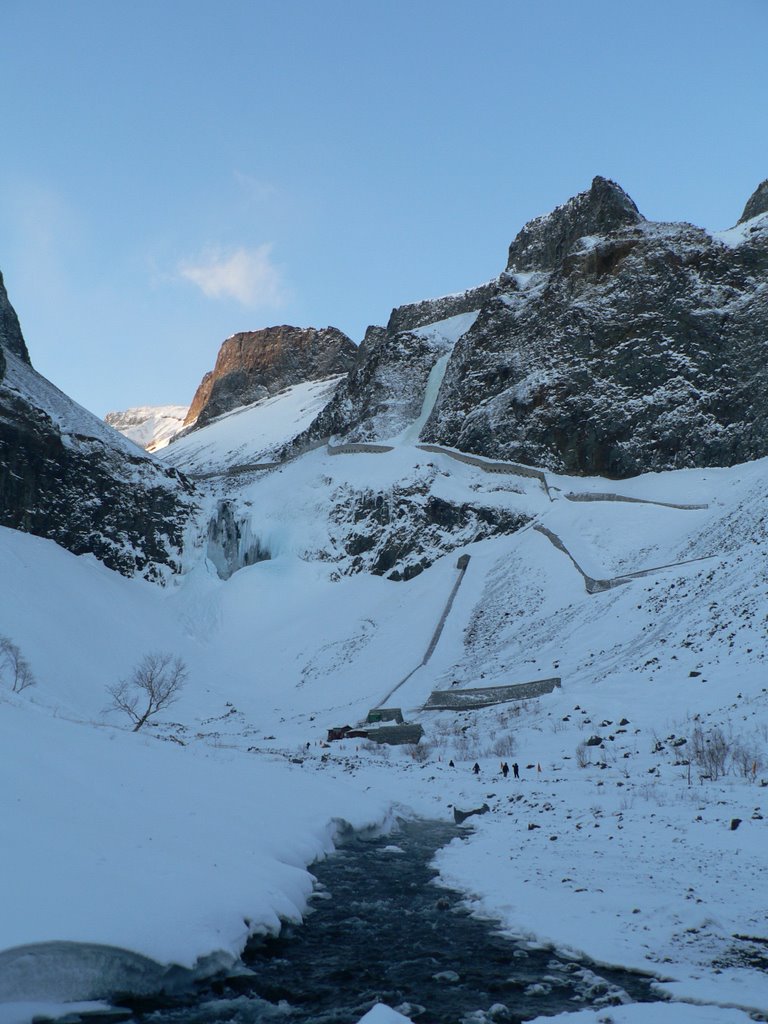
<point>174,171</point>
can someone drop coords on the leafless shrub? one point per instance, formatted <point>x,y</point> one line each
<point>583,758</point>
<point>14,667</point>
<point>419,751</point>
<point>155,684</point>
<point>504,746</point>
<point>747,758</point>
<point>382,750</point>
<point>710,751</point>
<point>468,747</point>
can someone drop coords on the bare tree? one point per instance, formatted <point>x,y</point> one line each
<point>15,666</point>
<point>710,751</point>
<point>748,757</point>
<point>155,684</point>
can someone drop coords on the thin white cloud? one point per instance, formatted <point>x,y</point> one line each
<point>255,190</point>
<point>247,275</point>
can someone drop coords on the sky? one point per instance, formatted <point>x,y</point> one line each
<point>175,171</point>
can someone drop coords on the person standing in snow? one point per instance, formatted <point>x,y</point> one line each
<point>516,770</point>
<point>476,768</point>
<point>505,769</point>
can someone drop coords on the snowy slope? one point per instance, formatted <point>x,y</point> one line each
<point>252,433</point>
<point>69,417</point>
<point>297,643</point>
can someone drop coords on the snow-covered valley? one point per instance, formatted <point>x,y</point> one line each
<point>174,843</point>
<point>294,564</point>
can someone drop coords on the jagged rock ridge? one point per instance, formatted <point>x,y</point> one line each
<point>254,364</point>
<point>643,348</point>
<point>610,345</point>
<point>757,203</point>
<point>544,241</point>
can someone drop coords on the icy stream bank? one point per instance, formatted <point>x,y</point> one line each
<point>381,931</point>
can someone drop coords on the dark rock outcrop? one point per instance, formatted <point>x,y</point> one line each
<point>11,337</point>
<point>401,532</point>
<point>431,311</point>
<point>255,364</point>
<point>757,203</point>
<point>66,476</point>
<point>643,348</point>
<point>544,242</point>
<point>384,390</point>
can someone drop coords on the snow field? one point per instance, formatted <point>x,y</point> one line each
<point>128,841</point>
<point>116,839</point>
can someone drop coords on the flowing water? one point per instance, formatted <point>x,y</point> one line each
<point>380,930</point>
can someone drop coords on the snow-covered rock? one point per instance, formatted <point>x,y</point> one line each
<point>636,346</point>
<point>66,475</point>
<point>610,344</point>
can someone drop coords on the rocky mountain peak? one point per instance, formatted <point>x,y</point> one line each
<point>10,329</point>
<point>545,241</point>
<point>254,364</point>
<point>757,203</point>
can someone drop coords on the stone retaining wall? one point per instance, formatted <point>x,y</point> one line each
<point>604,496</point>
<point>594,586</point>
<point>486,696</point>
<point>359,448</point>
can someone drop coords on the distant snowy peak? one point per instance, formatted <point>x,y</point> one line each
<point>255,364</point>
<point>149,426</point>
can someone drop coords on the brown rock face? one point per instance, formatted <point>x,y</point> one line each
<point>255,364</point>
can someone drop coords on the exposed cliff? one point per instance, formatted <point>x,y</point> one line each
<point>255,364</point>
<point>67,476</point>
<point>639,347</point>
<point>11,337</point>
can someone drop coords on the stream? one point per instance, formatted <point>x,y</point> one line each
<point>381,930</point>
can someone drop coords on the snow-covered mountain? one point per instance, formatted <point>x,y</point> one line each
<point>289,646</point>
<point>149,426</point>
<point>323,573</point>
<point>609,344</point>
<point>66,475</point>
